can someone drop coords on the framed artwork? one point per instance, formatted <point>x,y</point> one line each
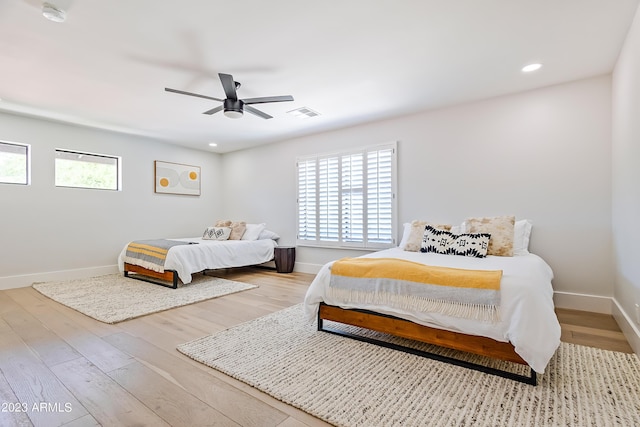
<point>176,178</point>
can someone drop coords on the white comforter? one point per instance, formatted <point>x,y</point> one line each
<point>528,319</point>
<point>212,254</point>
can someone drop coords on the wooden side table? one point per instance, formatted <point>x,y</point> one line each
<point>285,258</point>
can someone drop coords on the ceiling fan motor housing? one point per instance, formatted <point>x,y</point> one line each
<point>233,108</point>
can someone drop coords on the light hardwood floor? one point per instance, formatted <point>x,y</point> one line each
<point>88,373</point>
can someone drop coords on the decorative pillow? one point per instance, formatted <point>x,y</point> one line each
<point>521,235</point>
<point>268,234</point>
<point>414,239</point>
<point>406,231</point>
<point>253,231</point>
<point>472,245</point>
<point>501,230</point>
<point>447,243</point>
<point>456,229</point>
<point>436,240</point>
<point>237,230</point>
<point>216,233</point>
<point>222,223</point>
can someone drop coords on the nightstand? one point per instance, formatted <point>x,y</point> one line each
<point>285,258</point>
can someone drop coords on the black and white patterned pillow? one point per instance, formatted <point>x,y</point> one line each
<point>436,240</point>
<point>216,233</point>
<point>447,243</point>
<point>473,245</point>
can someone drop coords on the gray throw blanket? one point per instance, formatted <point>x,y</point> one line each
<point>150,254</point>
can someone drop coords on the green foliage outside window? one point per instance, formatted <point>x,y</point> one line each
<point>13,164</point>
<point>86,171</point>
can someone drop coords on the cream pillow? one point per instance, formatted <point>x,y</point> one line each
<point>501,229</point>
<point>237,230</point>
<point>414,239</point>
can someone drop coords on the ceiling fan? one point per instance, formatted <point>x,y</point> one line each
<point>232,106</point>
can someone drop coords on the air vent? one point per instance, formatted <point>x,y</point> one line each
<point>303,112</point>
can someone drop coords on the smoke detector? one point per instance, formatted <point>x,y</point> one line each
<point>52,13</point>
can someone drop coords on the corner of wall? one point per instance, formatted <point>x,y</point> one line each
<point>628,327</point>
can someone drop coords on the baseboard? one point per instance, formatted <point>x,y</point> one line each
<point>26,280</point>
<point>303,267</point>
<point>628,326</point>
<point>584,302</point>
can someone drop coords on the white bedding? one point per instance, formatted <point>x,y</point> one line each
<point>528,319</point>
<point>212,254</point>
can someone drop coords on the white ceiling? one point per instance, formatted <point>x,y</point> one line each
<point>353,61</point>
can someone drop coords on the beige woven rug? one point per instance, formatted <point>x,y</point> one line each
<point>351,383</point>
<point>114,298</point>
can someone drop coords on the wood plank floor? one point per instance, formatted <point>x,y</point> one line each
<point>67,369</point>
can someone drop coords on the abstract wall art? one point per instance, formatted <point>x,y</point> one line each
<point>176,178</point>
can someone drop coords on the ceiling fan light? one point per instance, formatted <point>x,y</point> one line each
<point>233,114</point>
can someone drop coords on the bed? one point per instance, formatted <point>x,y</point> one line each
<point>527,331</point>
<point>195,255</point>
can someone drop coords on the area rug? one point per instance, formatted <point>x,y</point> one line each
<point>352,383</point>
<point>114,298</point>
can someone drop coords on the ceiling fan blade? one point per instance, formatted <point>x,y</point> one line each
<point>213,110</point>
<point>265,99</point>
<point>257,112</point>
<point>229,86</point>
<point>181,92</point>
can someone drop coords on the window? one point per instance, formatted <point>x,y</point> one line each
<point>14,163</point>
<point>348,199</point>
<point>85,170</point>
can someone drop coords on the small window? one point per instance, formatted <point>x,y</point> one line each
<point>14,163</point>
<point>86,170</point>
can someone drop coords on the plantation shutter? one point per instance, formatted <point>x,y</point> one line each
<point>347,199</point>
<point>380,196</point>
<point>353,198</point>
<point>307,200</point>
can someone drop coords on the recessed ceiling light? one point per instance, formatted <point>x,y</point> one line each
<point>52,13</point>
<point>213,144</point>
<point>531,67</point>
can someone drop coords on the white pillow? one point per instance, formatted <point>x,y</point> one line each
<point>253,231</point>
<point>405,235</point>
<point>521,236</point>
<point>268,234</point>
<point>216,233</point>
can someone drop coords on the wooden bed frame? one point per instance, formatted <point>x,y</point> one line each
<point>145,274</point>
<point>151,276</point>
<point>406,329</point>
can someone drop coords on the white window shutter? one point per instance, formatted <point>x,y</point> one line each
<point>348,199</point>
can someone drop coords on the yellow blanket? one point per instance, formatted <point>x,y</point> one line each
<point>150,254</point>
<point>409,285</point>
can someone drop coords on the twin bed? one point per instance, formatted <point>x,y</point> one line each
<point>198,255</point>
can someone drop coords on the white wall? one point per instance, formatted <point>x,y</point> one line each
<point>55,233</point>
<point>543,155</point>
<point>626,176</point>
